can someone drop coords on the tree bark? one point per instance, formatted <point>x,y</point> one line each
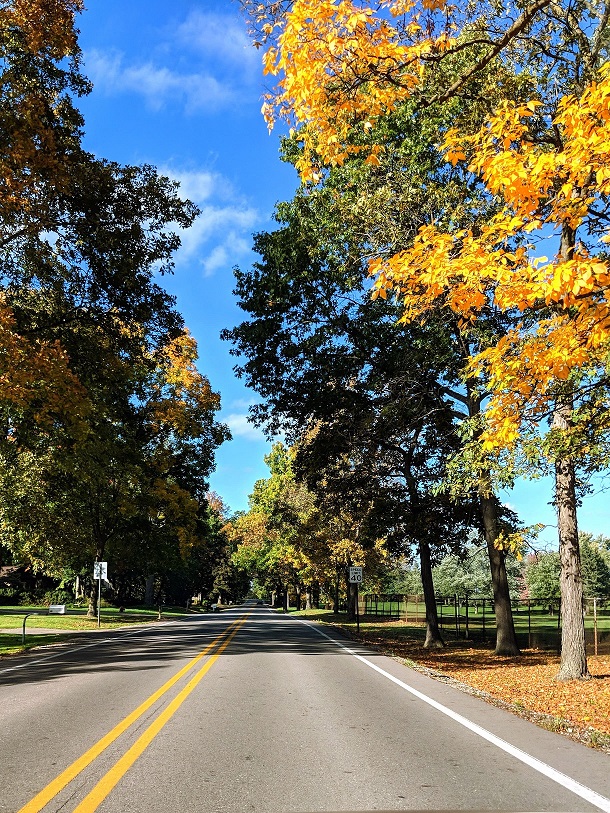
<point>573,664</point>
<point>506,638</point>
<point>92,606</point>
<point>336,603</point>
<point>149,592</point>
<point>351,600</point>
<point>433,633</point>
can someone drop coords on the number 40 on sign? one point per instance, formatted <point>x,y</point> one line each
<point>355,575</point>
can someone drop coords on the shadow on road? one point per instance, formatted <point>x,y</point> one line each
<point>156,647</point>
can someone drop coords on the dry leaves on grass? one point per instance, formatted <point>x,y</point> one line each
<point>527,682</point>
<point>530,682</point>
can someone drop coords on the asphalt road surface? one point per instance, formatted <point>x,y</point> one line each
<point>248,710</point>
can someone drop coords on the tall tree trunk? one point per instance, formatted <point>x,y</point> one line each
<point>433,633</point>
<point>336,603</point>
<point>351,599</point>
<point>573,650</point>
<point>149,590</point>
<point>506,638</point>
<point>92,606</point>
<point>308,595</point>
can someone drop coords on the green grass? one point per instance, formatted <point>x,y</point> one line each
<point>544,629</point>
<point>75,620</point>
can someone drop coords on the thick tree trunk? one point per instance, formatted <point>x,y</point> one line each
<point>506,638</point>
<point>336,604</point>
<point>351,600</point>
<point>149,590</point>
<point>573,664</point>
<point>433,633</point>
<point>92,606</point>
<point>308,596</point>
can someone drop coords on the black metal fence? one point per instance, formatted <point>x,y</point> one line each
<point>537,621</point>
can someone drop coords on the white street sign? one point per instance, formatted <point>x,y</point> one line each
<point>100,570</point>
<point>355,575</point>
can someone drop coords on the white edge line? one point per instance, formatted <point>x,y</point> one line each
<point>551,773</point>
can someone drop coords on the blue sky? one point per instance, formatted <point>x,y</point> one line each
<point>179,86</point>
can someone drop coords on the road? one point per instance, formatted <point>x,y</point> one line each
<point>248,710</point>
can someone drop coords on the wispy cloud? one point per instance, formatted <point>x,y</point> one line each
<point>222,38</point>
<point>220,62</point>
<point>158,85</point>
<point>221,235</point>
<point>241,427</point>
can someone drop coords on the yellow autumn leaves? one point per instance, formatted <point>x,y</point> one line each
<point>342,65</point>
<point>326,51</point>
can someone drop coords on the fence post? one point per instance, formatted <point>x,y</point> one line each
<point>467,627</point>
<point>484,633</point>
<point>529,624</point>
<point>457,620</point>
<point>559,627</point>
<point>595,624</point>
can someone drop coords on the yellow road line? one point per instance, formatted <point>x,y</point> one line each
<point>94,799</point>
<point>59,783</point>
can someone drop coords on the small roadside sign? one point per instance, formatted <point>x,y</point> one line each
<point>100,570</point>
<point>355,575</point>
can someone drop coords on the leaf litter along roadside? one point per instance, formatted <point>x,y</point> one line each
<point>579,709</point>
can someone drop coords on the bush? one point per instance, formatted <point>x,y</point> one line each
<point>57,597</point>
<point>9,596</point>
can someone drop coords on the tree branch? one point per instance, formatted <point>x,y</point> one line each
<point>516,28</point>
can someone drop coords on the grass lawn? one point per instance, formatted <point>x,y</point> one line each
<point>75,620</point>
<point>525,685</point>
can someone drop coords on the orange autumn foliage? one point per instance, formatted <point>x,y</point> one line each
<point>471,271</point>
<point>342,64</point>
<point>327,50</point>
<point>181,393</point>
<point>35,375</point>
<point>40,127</point>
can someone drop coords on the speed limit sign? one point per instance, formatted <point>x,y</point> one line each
<point>355,575</point>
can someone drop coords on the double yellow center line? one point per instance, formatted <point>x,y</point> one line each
<point>93,800</point>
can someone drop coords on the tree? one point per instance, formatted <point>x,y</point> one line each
<point>542,149</point>
<point>133,488</point>
<point>468,575</point>
<point>288,538</point>
<point>387,404</point>
<point>542,574</point>
<point>40,127</point>
<point>595,566</point>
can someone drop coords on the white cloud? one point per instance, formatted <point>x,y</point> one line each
<point>222,234</point>
<point>225,255</point>
<point>158,85</point>
<point>221,38</point>
<point>241,427</point>
<point>221,61</point>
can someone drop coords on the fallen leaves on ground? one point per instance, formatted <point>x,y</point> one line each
<point>527,683</point>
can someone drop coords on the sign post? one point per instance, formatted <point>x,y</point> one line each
<point>100,571</point>
<point>355,577</point>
